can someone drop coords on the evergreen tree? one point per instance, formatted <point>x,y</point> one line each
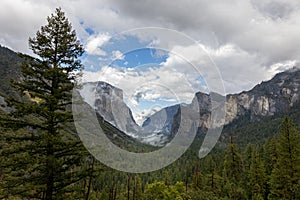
<point>256,176</point>
<point>270,154</point>
<point>285,176</point>
<point>43,161</point>
<point>212,179</point>
<point>247,157</point>
<point>269,159</point>
<point>232,163</point>
<point>232,172</point>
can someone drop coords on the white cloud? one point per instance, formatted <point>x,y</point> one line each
<point>141,115</point>
<point>20,20</point>
<point>94,44</point>
<point>117,55</point>
<point>152,84</point>
<point>178,78</point>
<point>279,67</point>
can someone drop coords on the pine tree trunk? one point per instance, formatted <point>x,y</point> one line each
<point>90,182</point>
<point>134,189</point>
<point>50,174</point>
<point>128,188</point>
<point>115,192</point>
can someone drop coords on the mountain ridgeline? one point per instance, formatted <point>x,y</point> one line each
<point>278,95</point>
<point>268,99</point>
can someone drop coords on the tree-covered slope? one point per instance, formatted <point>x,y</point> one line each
<point>9,69</point>
<point>246,130</point>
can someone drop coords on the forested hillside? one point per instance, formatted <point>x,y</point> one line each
<point>10,69</point>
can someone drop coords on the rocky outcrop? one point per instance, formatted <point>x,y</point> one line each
<point>267,98</point>
<point>2,103</point>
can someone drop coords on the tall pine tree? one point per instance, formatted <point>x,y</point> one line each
<point>43,153</point>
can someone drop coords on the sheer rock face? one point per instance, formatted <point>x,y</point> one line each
<point>265,99</point>
<point>107,100</point>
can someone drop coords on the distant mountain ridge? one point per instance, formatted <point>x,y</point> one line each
<point>267,99</point>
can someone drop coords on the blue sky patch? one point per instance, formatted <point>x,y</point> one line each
<point>136,53</point>
<point>141,57</point>
<point>90,31</point>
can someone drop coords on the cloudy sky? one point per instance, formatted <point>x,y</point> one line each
<point>160,52</point>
